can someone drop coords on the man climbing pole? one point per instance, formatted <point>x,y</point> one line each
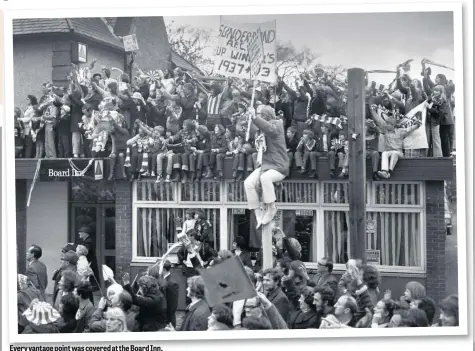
<point>272,161</point>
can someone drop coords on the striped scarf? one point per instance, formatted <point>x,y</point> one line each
<point>214,102</point>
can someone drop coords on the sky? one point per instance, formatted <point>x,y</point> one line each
<point>372,41</point>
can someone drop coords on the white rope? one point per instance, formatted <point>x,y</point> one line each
<point>38,165</point>
<point>78,171</point>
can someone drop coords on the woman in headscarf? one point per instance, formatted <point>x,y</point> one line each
<point>26,293</point>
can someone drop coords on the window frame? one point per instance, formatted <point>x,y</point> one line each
<point>318,237</point>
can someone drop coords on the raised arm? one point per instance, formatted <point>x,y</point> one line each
<point>400,86</point>
<point>375,116</point>
<point>289,90</point>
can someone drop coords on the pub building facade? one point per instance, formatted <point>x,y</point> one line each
<point>133,224</point>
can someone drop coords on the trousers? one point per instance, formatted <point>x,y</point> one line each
<point>266,180</point>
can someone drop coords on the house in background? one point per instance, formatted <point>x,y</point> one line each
<point>44,49</point>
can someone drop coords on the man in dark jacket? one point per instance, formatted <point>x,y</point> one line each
<point>197,313</point>
<point>171,293</point>
<point>324,276</point>
<point>273,291</point>
<point>36,270</point>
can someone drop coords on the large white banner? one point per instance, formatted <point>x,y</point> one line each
<point>232,56</point>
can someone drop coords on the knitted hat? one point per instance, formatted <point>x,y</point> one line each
<point>41,313</point>
<point>243,105</point>
<point>299,268</point>
<point>71,257</point>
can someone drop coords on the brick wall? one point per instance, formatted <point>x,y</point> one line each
<point>436,235</point>
<point>32,66</point>
<point>123,226</point>
<point>21,197</point>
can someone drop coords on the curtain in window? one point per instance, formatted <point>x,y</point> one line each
<point>397,236</point>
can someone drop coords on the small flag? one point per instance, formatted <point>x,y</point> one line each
<point>98,169</point>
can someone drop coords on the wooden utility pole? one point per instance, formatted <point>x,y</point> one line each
<point>267,258</point>
<point>357,163</point>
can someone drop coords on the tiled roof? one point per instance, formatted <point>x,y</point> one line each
<point>40,25</point>
<point>92,28</point>
<point>184,64</point>
<point>95,29</point>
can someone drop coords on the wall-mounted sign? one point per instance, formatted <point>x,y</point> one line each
<point>130,43</point>
<point>373,257</point>
<point>98,169</point>
<point>304,213</point>
<point>370,226</point>
<point>63,169</point>
<point>79,53</point>
<point>239,211</point>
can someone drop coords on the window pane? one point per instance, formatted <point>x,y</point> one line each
<point>148,190</point>
<point>201,191</point>
<point>302,228</point>
<point>240,224</point>
<point>397,194</point>
<point>90,190</point>
<point>235,192</point>
<point>157,227</point>
<point>336,236</point>
<point>396,236</point>
<point>298,224</point>
<point>297,192</point>
<point>286,192</point>
<point>338,192</point>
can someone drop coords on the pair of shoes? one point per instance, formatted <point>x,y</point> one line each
<point>384,174</point>
<point>266,216</point>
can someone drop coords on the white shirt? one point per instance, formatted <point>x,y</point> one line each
<point>325,142</point>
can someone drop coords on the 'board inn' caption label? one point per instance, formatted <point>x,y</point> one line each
<point>64,173</point>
